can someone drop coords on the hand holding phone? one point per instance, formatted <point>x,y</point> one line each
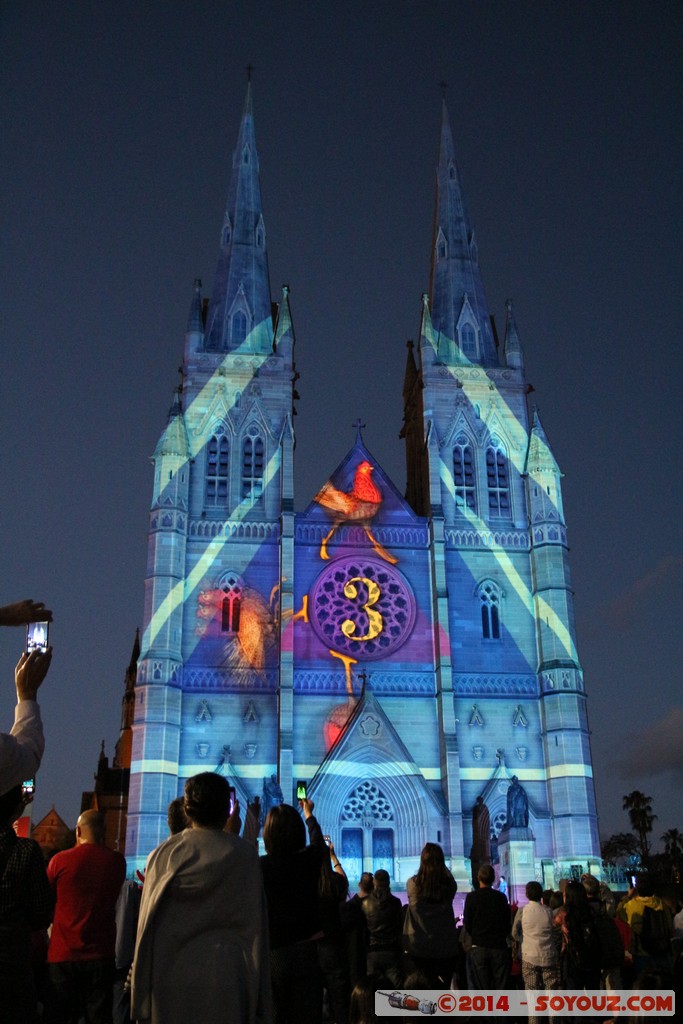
<point>30,672</point>
<point>301,790</point>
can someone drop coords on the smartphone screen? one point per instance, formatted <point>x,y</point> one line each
<point>301,790</point>
<point>28,787</point>
<point>37,636</point>
<point>233,798</point>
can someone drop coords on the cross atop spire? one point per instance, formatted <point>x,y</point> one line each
<point>359,425</point>
<point>250,68</point>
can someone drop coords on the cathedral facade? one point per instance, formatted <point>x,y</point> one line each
<point>412,658</point>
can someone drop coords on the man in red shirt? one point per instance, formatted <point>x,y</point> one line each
<point>86,881</point>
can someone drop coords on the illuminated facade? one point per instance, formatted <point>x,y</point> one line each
<point>404,655</point>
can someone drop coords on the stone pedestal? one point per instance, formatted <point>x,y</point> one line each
<point>516,855</point>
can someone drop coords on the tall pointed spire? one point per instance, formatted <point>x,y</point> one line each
<point>514,357</point>
<point>239,314</point>
<point>458,304</point>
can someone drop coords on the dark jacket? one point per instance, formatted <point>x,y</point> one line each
<point>384,919</point>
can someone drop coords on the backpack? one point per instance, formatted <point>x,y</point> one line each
<point>655,934</point>
<point>611,946</point>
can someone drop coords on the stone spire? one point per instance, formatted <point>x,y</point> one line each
<point>239,314</point>
<point>514,357</point>
<point>458,304</point>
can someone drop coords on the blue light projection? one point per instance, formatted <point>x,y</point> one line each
<point>405,658</point>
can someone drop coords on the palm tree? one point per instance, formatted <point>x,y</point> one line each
<point>673,845</point>
<point>639,809</point>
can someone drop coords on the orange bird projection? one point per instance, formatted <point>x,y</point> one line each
<point>359,507</point>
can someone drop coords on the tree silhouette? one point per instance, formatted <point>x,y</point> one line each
<point>622,845</point>
<point>639,809</point>
<point>673,843</point>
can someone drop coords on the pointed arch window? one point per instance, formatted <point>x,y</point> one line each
<point>217,460</point>
<point>468,341</point>
<point>463,474</point>
<point>252,468</point>
<point>498,481</point>
<point>489,599</point>
<point>225,240</point>
<point>232,602</point>
<point>239,327</point>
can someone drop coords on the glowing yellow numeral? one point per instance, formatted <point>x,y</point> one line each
<point>374,617</point>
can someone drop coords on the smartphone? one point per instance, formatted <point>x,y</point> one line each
<point>301,790</point>
<point>633,881</point>
<point>327,839</point>
<point>28,788</point>
<point>233,798</point>
<point>37,636</point>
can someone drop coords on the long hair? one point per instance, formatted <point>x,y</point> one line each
<point>284,832</point>
<point>433,880</point>
<point>578,912</point>
<point>331,884</point>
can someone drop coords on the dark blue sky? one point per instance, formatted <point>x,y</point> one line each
<point>118,121</point>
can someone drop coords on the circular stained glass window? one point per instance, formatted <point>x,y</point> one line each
<point>362,607</point>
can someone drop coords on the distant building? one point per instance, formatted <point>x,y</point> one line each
<point>404,655</point>
<point>53,834</point>
<point>110,794</point>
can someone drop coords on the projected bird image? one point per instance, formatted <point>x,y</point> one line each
<point>241,621</point>
<point>358,507</point>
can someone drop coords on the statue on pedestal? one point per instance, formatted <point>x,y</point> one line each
<point>517,805</point>
<point>481,837</point>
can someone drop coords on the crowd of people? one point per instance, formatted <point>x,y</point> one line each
<point>212,932</point>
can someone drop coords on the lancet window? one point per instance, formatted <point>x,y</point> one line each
<point>498,481</point>
<point>463,474</point>
<point>231,605</point>
<point>489,598</point>
<point>217,461</point>
<point>252,468</point>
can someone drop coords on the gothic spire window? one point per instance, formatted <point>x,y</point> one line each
<point>217,459</point>
<point>468,341</point>
<point>489,598</point>
<point>498,481</point>
<point>252,467</point>
<point>239,327</point>
<point>463,474</point>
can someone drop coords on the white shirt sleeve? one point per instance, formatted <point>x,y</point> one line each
<point>22,749</point>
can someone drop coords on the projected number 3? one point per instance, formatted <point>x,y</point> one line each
<point>348,626</point>
<point>362,607</point>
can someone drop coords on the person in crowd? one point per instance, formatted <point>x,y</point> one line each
<point>487,920</point>
<point>429,930</point>
<point>353,923</point>
<point>26,903</point>
<point>126,916</point>
<point>532,929</point>
<point>21,750</point>
<point>202,943</point>
<point>651,924</point>
<point>333,888</point>
<point>580,956</point>
<point>291,871</point>
<point>86,880</point>
<point>600,902</point>
<point>176,817</point>
<point>362,1006</point>
<point>384,918</point>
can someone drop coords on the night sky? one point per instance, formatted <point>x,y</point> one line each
<point>117,122</point>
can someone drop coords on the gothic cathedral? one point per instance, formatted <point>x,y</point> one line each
<point>411,659</point>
